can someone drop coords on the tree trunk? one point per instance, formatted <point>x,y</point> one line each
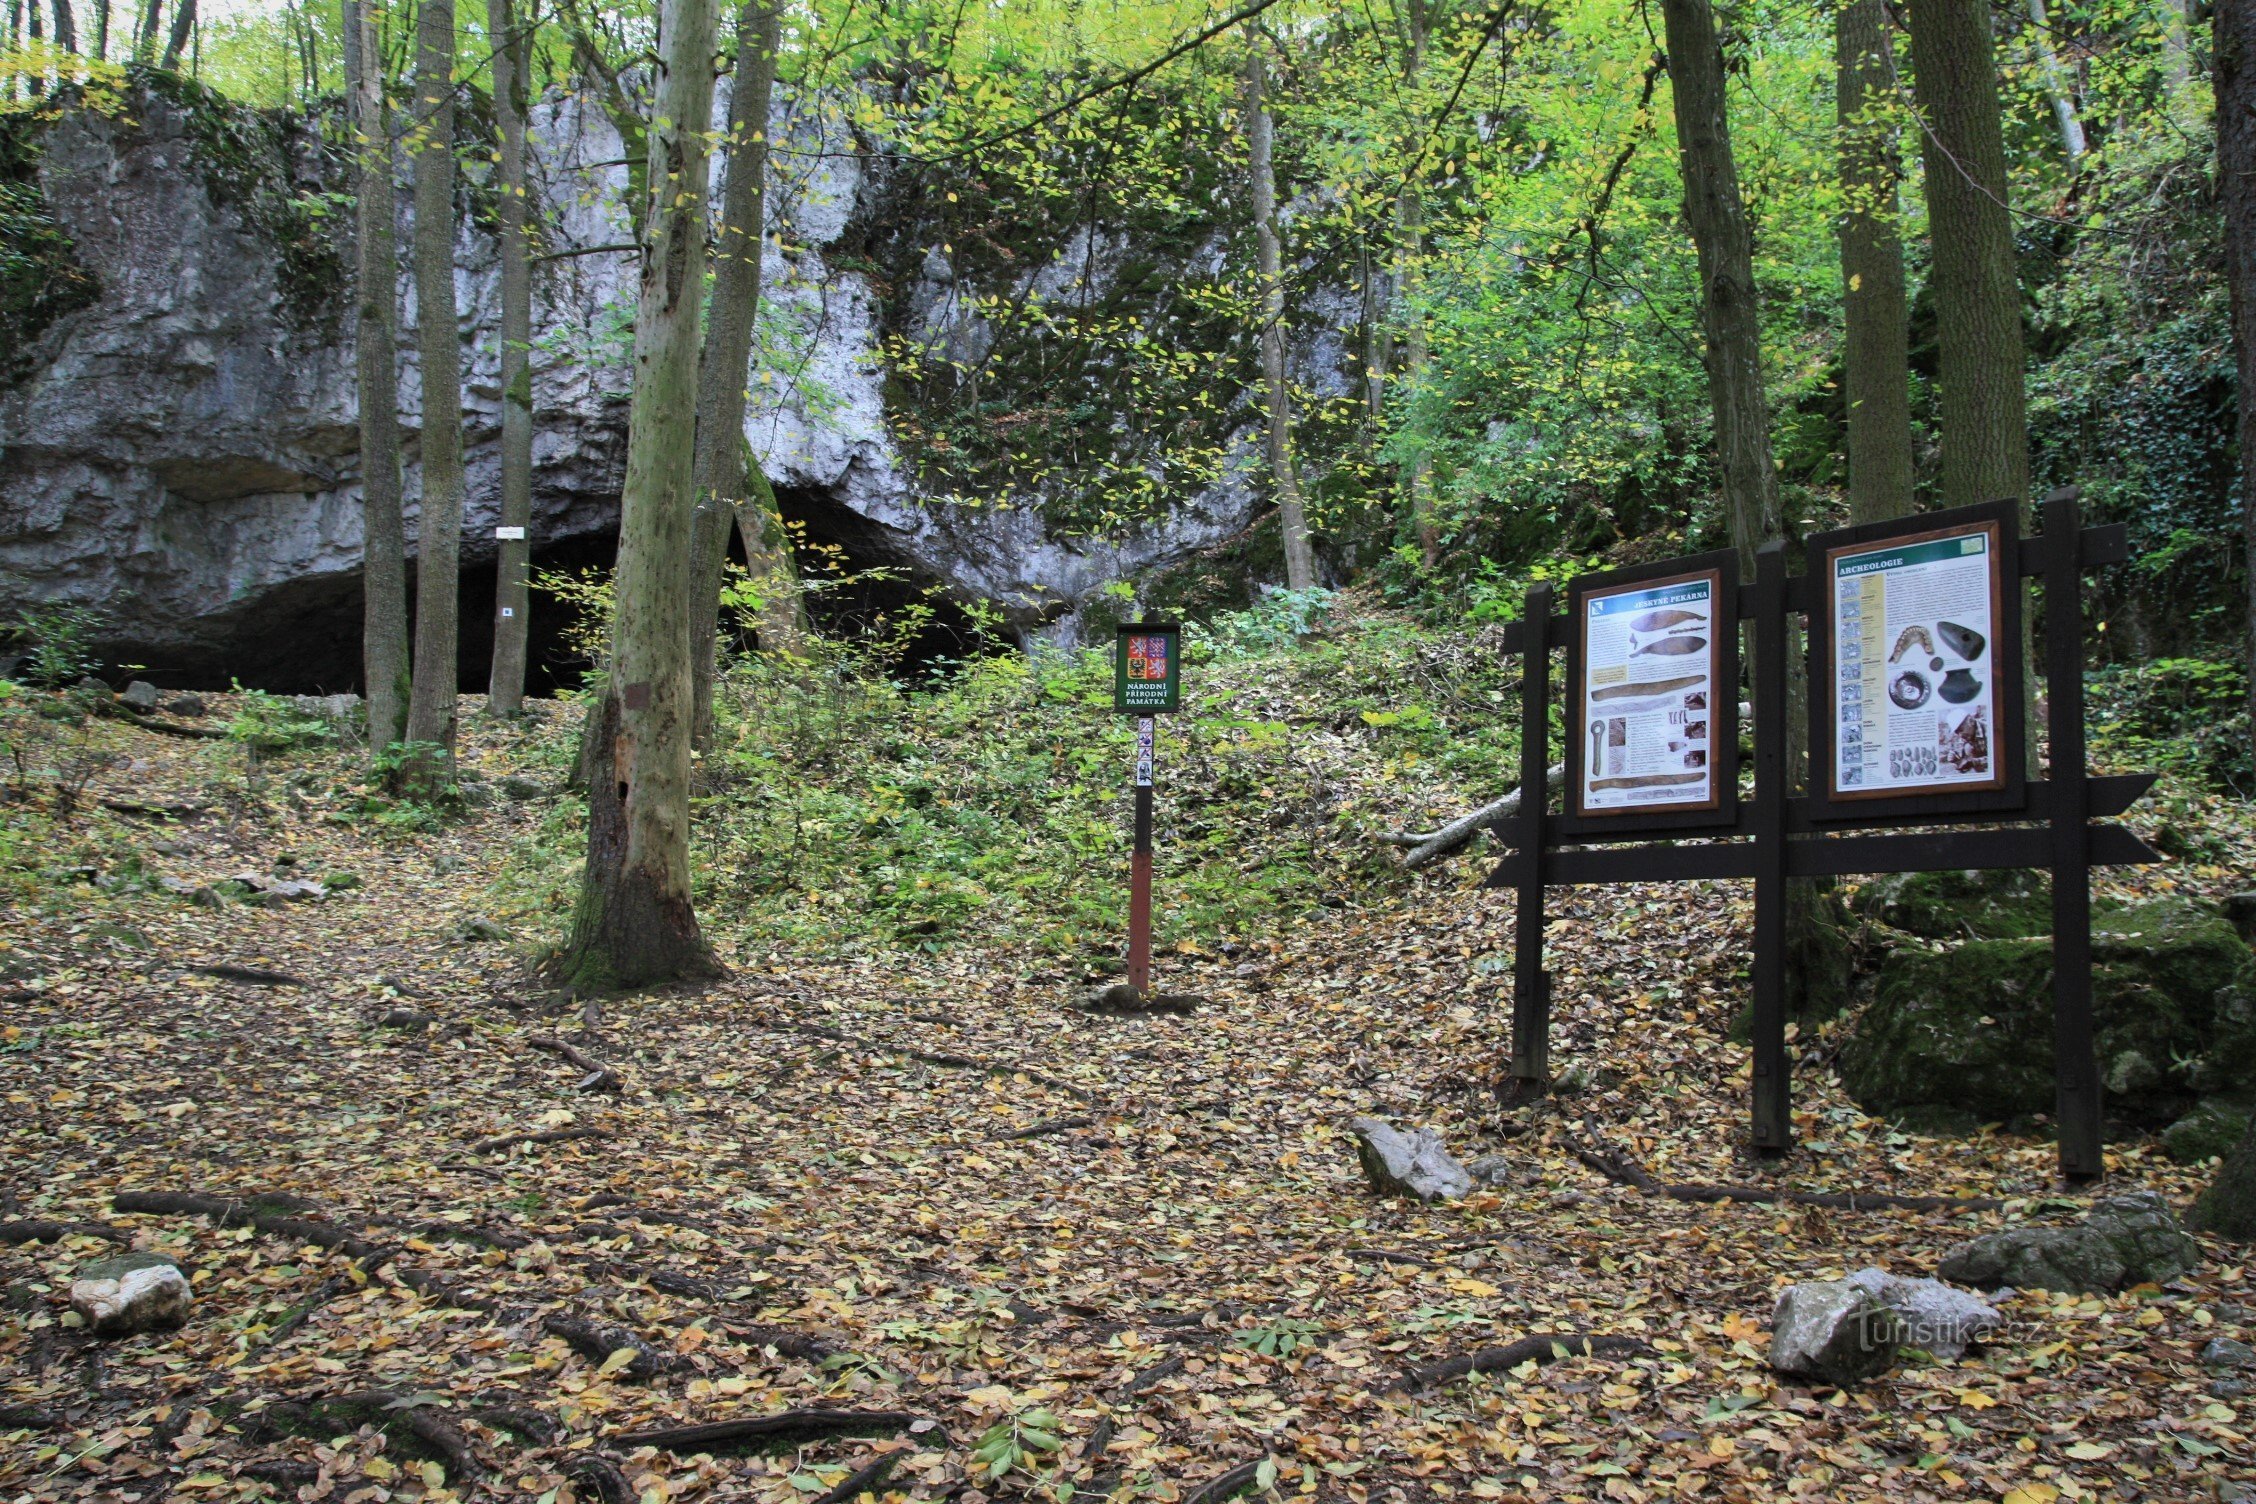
<point>505,687</point>
<point>2235,79</point>
<point>634,925</point>
<point>145,40</point>
<point>1875,355</point>
<point>102,31</point>
<point>438,539</point>
<point>376,336</point>
<point>723,467</point>
<point>66,29</point>
<point>1718,217</point>
<point>1977,291</point>
<point>183,22</point>
<point>1300,556</point>
<point>1410,245</point>
<point>2059,89</point>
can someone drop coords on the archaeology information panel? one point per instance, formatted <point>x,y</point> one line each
<point>1649,658</point>
<point>1915,653</point>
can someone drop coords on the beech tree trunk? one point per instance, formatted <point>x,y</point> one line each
<point>438,540</point>
<point>1300,555</point>
<point>1875,356</point>
<point>2235,80</point>
<point>66,29</point>
<point>1983,403</point>
<point>1718,217</point>
<point>505,687</point>
<point>725,496</point>
<point>635,924</point>
<point>2059,88</point>
<point>183,23</point>
<point>383,637</point>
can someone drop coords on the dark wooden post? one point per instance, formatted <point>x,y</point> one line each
<point>1766,823</point>
<point>1531,984</point>
<point>2074,1064</point>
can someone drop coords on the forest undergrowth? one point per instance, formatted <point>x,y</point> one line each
<point>454,1235</point>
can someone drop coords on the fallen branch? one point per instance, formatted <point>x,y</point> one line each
<point>1047,1126</point>
<point>257,976</point>
<point>868,1478</point>
<point>1623,1170</point>
<point>1425,848</point>
<point>189,733</point>
<point>1232,1483</point>
<point>1544,1347</point>
<point>551,1136</point>
<point>600,1077</point>
<point>225,1211</point>
<point>169,811</point>
<point>1159,1373</point>
<point>763,1430</point>
<point>36,1230</point>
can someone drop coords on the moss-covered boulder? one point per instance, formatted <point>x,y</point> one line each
<point>2207,1132</point>
<point>2228,1207</point>
<point>2008,903</point>
<point>1968,1027</point>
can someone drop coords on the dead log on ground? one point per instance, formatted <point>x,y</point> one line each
<point>1622,1170</point>
<point>1544,1347</point>
<point>1437,843</point>
<point>770,1430</point>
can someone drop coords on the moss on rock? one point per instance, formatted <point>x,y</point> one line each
<point>2009,903</point>
<point>1969,1027</point>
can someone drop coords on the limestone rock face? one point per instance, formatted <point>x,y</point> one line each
<point>1408,1164</point>
<point>1834,1331</point>
<point>136,1292</point>
<point>182,450</point>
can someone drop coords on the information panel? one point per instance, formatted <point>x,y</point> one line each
<point>1915,663</point>
<point>1650,658</point>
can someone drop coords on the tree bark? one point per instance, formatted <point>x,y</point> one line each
<point>1410,245</point>
<point>66,29</point>
<point>723,467</point>
<point>183,23</point>
<point>634,925</point>
<point>438,539</point>
<point>2235,82</point>
<point>102,30</point>
<point>505,687</point>
<point>376,335</point>
<point>2059,90</point>
<point>1729,314</point>
<point>1876,359</point>
<point>1983,403</point>
<point>1300,556</point>
<point>145,41</point>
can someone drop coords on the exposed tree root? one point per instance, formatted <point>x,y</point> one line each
<point>760,1432</point>
<point>1232,1483</point>
<point>1623,1170</point>
<point>326,1291</point>
<point>600,1077</point>
<point>1426,846</point>
<point>1048,1126</point>
<point>787,1343</point>
<point>551,1136</point>
<point>38,1231</point>
<point>28,1418</point>
<point>596,1341</point>
<point>1541,1348</point>
<point>259,1213</point>
<point>868,1478</point>
<point>602,1476</point>
<point>257,976</point>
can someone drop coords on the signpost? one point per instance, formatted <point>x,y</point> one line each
<point>1147,680</point>
<point>1915,720</point>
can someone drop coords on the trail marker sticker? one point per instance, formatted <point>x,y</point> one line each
<point>510,534</point>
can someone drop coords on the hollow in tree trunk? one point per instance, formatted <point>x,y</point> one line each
<point>383,636</point>
<point>505,686</point>
<point>1875,346</point>
<point>438,539</point>
<point>635,925</point>
<point>726,495</point>
<point>1300,556</point>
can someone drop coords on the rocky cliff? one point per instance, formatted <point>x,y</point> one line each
<point>178,443</point>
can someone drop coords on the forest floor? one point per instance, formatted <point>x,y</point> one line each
<point>1041,1251</point>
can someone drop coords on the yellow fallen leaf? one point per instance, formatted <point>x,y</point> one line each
<point>2090,1451</point>
<point>380,1468</point>
<point>1741,1328</point>
<point>2032,1493</point>
<point>1974,1399</point>
<point>1474,1287</point>
<point>617,1361</point>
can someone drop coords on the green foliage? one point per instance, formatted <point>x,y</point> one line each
<point>1280,1338</point>
<point>274,724</point>
<point>41,278</point>
<point>1016,1443</point>
<point>54,643</point>
<point>2187,716</point>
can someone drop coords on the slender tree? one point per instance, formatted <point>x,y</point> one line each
<point>66,28</point>
<point>1409,252</point>
<point>376,339</point>
<point>731,493</point>
<point>634,924</point>
<point>438,539</point>
<point>2059,89</point>
<point>145,37</point>
<point>505,687</point>
<point>1729,314</point>
<point>1983,405</point>
<point>183,24</point>
<point>2235,82</point>
<point>1875,357</point>
<point>102,30</point>
<point>1300,556</point>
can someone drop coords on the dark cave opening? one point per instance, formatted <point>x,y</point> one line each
<point>859,590</point>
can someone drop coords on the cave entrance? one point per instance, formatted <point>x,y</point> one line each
<point>860,589</point>
<point>552,663</point>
